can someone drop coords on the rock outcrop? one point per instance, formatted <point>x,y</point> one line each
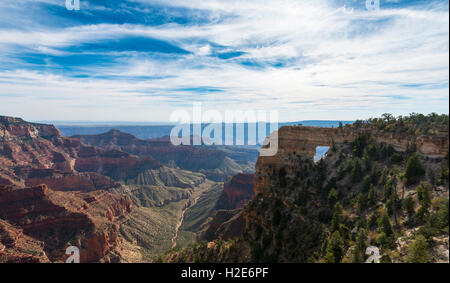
<point>303,141</point>
<point>227,221</point>
<point>15,247</point>
<point>60,219</point>
<point>237,192</point>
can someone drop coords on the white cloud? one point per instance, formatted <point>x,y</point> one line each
<point>346,65</point>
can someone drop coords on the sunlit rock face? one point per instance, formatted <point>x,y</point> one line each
<point>237,192</point>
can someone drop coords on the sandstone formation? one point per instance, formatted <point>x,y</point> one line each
<point>15,247</point>
<point>227,222</point>
<point>237,192</point>
<point>303,141</point>
<point>61,219</point>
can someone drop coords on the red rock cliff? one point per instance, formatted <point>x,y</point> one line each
<point>237,192</point>
<point>60,219</point>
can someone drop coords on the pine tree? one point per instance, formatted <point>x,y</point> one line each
<point>362,202</point>
<point>424,196</point>
<point>356,171</point>
<point>372,196</point>
<point>336,220</point>
<point>409,206</point>
<point>361,246</point>
<point>418,251</point>
<point>332,197</point>
<point>366,183</point>
<point>335,249</point>
<point>385,226</point>
<point>414,169</point>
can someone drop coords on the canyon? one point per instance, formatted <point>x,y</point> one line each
<point>112,195</point>
<point>122,199</point>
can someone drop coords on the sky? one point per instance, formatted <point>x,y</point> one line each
<point>141,60</point>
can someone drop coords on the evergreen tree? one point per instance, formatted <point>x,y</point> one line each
<point>336,220</point>
<point>418,251</point>
<point>443,214</point>
<point>384,176</point>
<point>356,171</point>
<point>361,201</point>
<point>385,226</point>
<point>443,175</point>
<point>373,220</point>
<point>375,175</point>
<point>366,183</point>
<point>335,249</point>
<point>390,206</point>
<point>414,169</point>
<point>409,206</point>
<point>372,197</point>
<point>361,246</point>
<point>332,197</point>
<point>424,195</point>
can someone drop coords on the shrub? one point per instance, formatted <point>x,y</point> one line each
<point>396,158</point>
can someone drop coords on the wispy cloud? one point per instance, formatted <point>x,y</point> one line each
<point>138,60</point>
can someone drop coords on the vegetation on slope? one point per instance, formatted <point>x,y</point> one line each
<point>415,123</point>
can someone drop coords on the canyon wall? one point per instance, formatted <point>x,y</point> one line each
<point>60,219</point>
<point>237,192</point>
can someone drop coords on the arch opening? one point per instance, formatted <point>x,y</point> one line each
<point>321,152</point>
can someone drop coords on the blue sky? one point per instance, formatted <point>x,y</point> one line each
<point>139,60</point>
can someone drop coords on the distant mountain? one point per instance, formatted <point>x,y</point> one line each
<point>141,132</point>
<point>146,131</point>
